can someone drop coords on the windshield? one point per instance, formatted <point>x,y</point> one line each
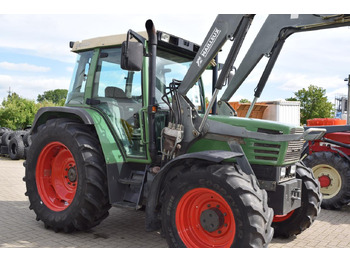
<point>78,82</point>
<point>169,67</point>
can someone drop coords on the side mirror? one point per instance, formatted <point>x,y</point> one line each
<point>132,56</point>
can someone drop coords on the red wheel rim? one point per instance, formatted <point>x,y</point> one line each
<point>56,176</point>
<point>193,207</point>
<point>281,218</point>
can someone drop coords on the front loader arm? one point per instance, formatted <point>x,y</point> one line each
<point>270,40</point>
<point>225,26</point>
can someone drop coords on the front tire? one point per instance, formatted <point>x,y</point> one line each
<point>66,176</point>
<point>298,220</point>
<point>215,206</point>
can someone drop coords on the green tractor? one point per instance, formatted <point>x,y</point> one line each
<point>135,133</point>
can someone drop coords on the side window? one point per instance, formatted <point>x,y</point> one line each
<point>120,95</point>
<point>111,75</point>
<point>167,71</point>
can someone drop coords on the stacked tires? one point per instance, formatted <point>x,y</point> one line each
<point>14,143</point>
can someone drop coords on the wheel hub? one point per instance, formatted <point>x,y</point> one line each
<point>212,219</point>
<point>72,174</point>
<point>325,181</point>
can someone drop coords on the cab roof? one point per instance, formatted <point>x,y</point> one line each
<point>165,40</point>
<point>104,41</point>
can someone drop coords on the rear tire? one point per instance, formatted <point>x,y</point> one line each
<point>301,218</point>
<point>215,206</point>
<point>66,176</point>
<point>333,172</point>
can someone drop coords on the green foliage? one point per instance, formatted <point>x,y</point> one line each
<point>244,100</point>
<point>17,112</point>
<point>313,103</point>
<point>57,96</point>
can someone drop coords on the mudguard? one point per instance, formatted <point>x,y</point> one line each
<point>46,113</point>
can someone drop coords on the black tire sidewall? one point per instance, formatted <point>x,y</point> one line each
<point>342,166</point>
<point>50,217</point>
<point>5,138</point>
<point>202,179</point>
<point>17,142</point>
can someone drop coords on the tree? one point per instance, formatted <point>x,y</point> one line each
<point>244,100</point>
<point>17,112</point>
<point>57,96</point>
<point>313,103</point>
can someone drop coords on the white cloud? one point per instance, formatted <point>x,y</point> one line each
<point>23,67</point>
<point>30,86</point>
<point>70,69</point>
<point>296,81</point>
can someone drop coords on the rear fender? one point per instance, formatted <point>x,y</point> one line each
<point>214,156</point>
<point>47,113</point>
<point>86,116</point>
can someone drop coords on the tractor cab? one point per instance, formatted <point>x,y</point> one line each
<point>110,82</point>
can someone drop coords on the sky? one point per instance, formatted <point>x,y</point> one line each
<point>35,54</point>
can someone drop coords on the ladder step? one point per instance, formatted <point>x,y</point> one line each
<point>127,205</point>
<point>129,181</point>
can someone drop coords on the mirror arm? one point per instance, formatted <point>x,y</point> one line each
<point>132,34</point>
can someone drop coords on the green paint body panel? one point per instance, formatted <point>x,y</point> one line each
<point>257,151</point>
<point>109,146</point>
<point>91,74</point>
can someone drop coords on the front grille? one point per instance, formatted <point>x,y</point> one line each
<point>294,151</point>
<point>270,151</point>
<point>264,151</point>
<point>294,147</point>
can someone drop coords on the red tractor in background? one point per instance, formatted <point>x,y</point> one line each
<point>329,159</point>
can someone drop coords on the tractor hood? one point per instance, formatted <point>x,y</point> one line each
<point>255,125</point>
<point>263,142</point>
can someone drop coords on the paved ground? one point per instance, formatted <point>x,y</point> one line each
<point>123,228</point>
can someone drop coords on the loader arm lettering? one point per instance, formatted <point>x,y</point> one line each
<point>224,27</point>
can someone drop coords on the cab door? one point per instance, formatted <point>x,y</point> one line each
<point>118,95</point>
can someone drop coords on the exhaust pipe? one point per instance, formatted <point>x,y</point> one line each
<point>152,54</point>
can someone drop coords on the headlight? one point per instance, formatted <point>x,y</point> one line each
<point>293,169</point>
<point>283,173</point>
